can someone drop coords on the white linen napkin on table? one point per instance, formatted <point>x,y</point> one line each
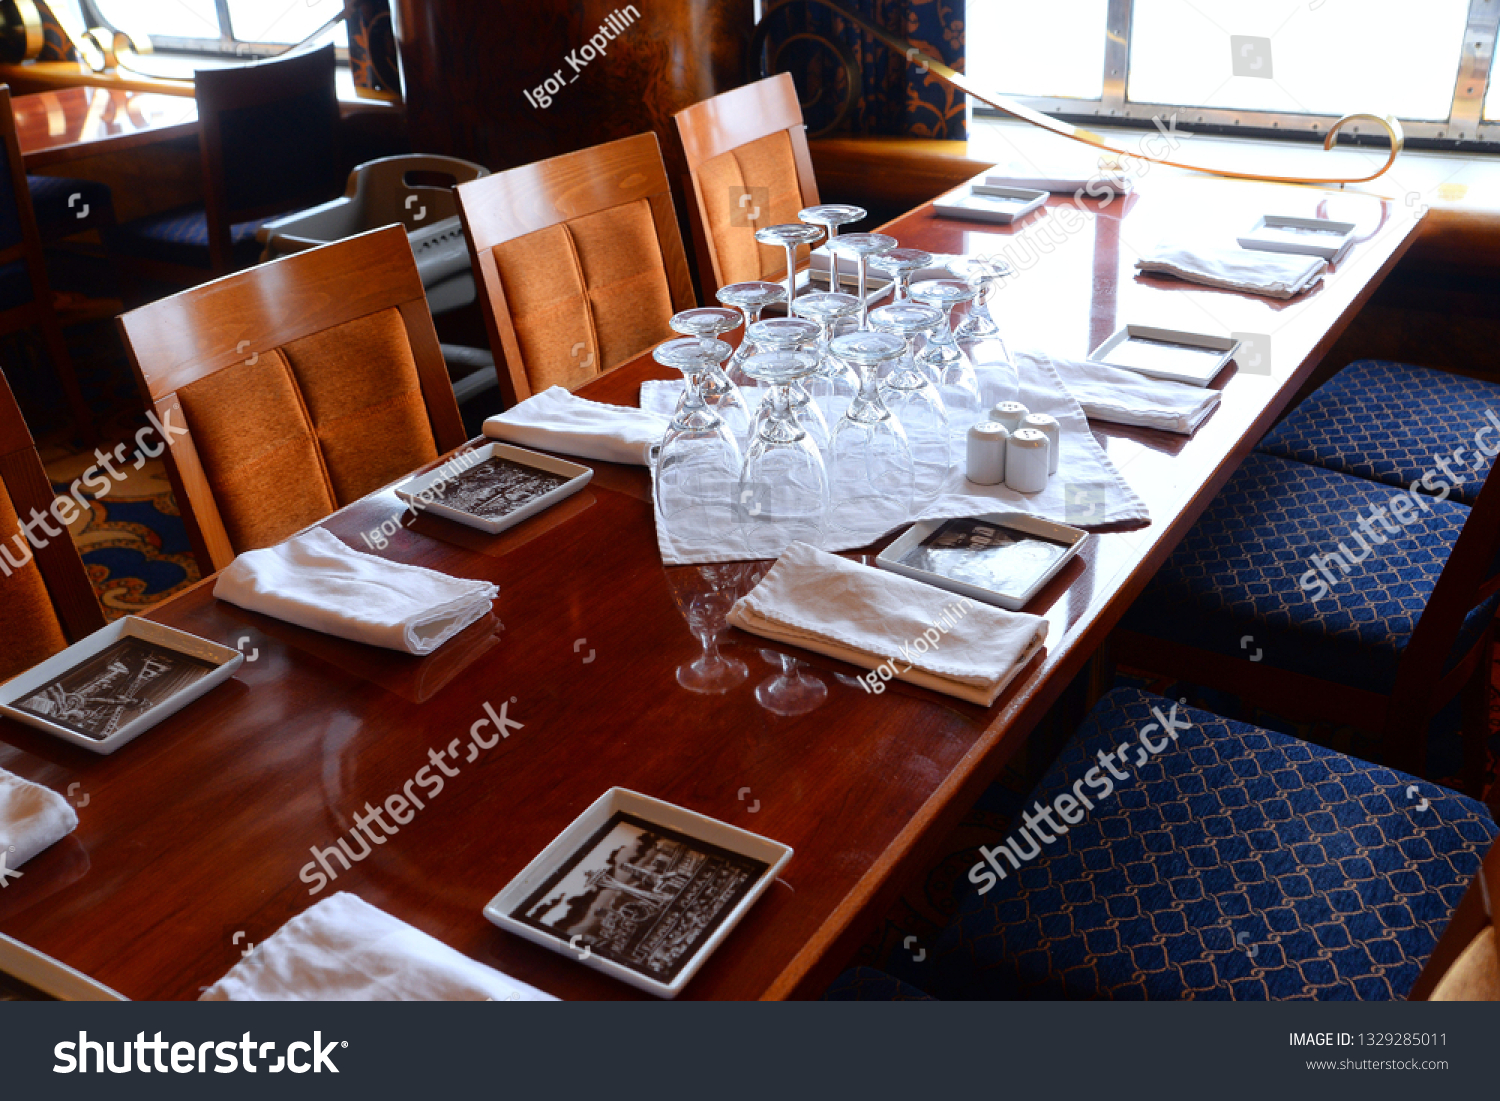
<point>32,817</point>
<point>870,617</point>
<point>344,949</point>
<point>558,420</point>
<point>1277,274</point>
<point>1128,397</point>
<point>316,581</point>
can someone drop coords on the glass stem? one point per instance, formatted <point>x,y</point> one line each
<point>864,305</point>
<point>791,276</point>
<point>833,259</point>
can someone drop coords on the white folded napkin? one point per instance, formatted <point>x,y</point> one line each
<point>316,581</point>
<point>345,950</point>
<point>558,420</point>
<point>873,618</point>
<point>32,817</point>
<point>1277,274</point>
<point>1127,397</point>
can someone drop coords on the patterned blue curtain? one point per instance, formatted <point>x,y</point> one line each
<point>824,51</point>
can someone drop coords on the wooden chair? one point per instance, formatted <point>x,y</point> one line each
<point>579,262</point>
<point>1465,965</point>
<point>268,140</point>
<point>46,600</point>
<point>25,294</point>
<point>749,165</point>
<point>293,388</point>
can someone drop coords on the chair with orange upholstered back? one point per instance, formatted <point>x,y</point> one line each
<point>579,262</point>
<point>294,388</point>
<point>1465,965</point>
<point>750,167</point>
<point>46,601</point>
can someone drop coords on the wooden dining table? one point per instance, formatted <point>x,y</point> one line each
<point>69,124</point>
<point>191,839</point>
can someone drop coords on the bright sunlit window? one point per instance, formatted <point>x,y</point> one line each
<point>1386,56</point>
<point>1014,46</point>
<point>1271,64</point>
<point>188,23</point>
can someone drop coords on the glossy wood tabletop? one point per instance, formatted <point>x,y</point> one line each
<point>200,829</point>
<point>55,127</point>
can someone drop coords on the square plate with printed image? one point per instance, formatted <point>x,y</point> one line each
<point>494,487</point>
<point>639,889</point>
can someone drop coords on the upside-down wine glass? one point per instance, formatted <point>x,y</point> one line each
<point>750,299</point>
<point>790,334</point>
<point>901,264</point>
<point>783,490</point>
<point>910,394</point>
<point>984,275</point>
<point>830,216</point>
<point>789,236</point>
<point>704,595</point>
<point>862,246</point>
<point>698,466</point>
<point>718,390</point>
<point>791,692</point>
<point>871,477</point>
<point>944,361</point>
<point>835,384</point>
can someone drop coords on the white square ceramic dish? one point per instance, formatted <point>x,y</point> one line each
<point>659,888</point>
<point>116,684</point>
<point>1033,551</point>
<point>1194,358</point>
<point>978,202</point>
<point>412,491</point>
<point>1309,236</point>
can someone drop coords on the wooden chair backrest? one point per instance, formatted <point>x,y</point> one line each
<point>579,262</point>
<point>304,338</point>
<point>749,167</point>
<point>46,599</point>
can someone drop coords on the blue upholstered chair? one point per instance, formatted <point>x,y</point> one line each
<point>1213,860</point>
<point>1390,423</point>
<point>25,296</point>
<point>65,206</point>
<point>268,135</point>
<point>1280,596</point>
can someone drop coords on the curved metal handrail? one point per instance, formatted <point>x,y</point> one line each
<point>1018,110</point>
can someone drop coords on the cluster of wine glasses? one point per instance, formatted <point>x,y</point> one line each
<point>833,423</point>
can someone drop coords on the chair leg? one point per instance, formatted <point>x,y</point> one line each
<point>1476,718</point>
<point>62,364</point>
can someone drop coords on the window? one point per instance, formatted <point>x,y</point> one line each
<point>1273,65</point>
<point>248,28</point>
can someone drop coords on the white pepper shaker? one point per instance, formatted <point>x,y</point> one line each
<point>986,456</point>
<point>1026,460</point>
<point>1010,414</point>
<point>1049,427</point>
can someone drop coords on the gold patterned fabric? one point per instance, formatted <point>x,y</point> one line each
<point>29,628</point>
<point>307,428</point>
<point>587,295</point>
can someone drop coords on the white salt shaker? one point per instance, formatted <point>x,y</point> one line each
<point>1010,414</point>
<point>986,458</point>
<point>1026,460</point>
<point>1048,426</point>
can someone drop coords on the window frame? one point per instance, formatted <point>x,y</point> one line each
<point>1465,128</point>
<point>224,46</point>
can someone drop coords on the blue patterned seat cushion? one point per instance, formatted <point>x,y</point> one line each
<point>1236,863</point>
<point>181,237</point>
<point>58,212</point>
<point>866,984</point>
<point>1386,421</point>
<point>1245,569</point>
